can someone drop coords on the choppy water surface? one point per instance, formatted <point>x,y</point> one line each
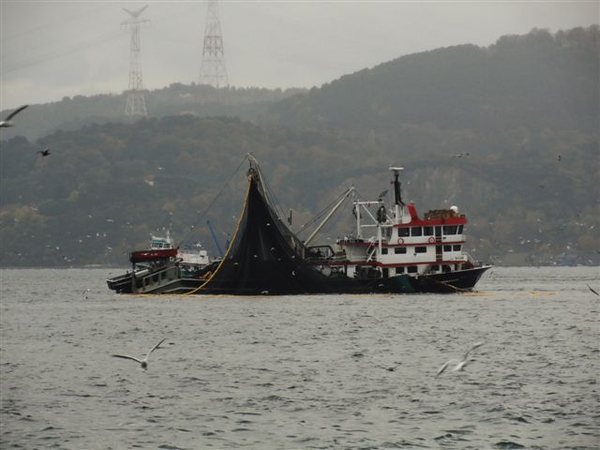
<point>314,372</point>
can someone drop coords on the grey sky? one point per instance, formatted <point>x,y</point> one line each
<point>51,49</point>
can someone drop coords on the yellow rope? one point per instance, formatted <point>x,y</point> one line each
<point>237,229</point>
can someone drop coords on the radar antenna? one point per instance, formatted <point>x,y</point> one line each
<point>397,185</point>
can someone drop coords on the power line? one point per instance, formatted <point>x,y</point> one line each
<point>55,23</point>
<point>61,53</point>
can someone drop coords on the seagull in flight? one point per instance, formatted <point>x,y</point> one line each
<point>458,365</point>
<point>391,368</point>
<point>44,152</point>
<point>8,123</point>
<point>142,362</point>
<point>460,155</point>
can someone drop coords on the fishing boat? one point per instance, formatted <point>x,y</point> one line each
<point>403,253</point>
<point>397,247</point>
<point>162,269</point>
<point>392,250</point>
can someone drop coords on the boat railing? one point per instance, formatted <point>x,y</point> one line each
<point>156,278</point>
<point>371,252</point>
<point>472,261</point>
<point>319,254</point>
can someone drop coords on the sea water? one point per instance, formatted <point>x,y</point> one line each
<point>300,372</point>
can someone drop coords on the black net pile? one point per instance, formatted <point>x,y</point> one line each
<point>264,256</point>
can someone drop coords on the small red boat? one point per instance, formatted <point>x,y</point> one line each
<point>152,255</point>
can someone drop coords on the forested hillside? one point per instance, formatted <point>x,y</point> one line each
<point>536,81</point>
<point>508,133</point>
<point>200,100</point>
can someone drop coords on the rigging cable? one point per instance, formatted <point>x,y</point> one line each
<point>320,214</point>
<point>203,214</point>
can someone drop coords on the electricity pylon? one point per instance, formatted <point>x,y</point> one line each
<point>136,102</point>
<point>212,68</point>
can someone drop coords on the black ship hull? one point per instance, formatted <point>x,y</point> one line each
<point>451,282</point>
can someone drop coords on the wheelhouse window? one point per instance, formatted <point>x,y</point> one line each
<point>456,247</point>
<point>428,231</point>
<point>384,251</point>
<point>447,248</point>
<point>416,231</point>
<point>403,232</point>
<point>460,229</point>
<point>412,269</point>
<point>399,270</point>
<point>450,229</point>
<point>400,250</point>
<point>421,249</point>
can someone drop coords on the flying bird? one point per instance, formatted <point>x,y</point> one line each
<point>44,152</point>
<point>460,155</point>
<point>391,368</point>
<point>142,362</point>
<point>591,289</point>
<point>458,365</point>
<point>8,123</point>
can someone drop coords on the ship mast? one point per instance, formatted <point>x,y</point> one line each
<point>398,203</point>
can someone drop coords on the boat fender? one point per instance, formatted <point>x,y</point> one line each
<point>400,241</point>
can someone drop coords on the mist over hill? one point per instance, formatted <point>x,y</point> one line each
<point>509,133</point>
<point>537,81</point>
<point>72,113</point>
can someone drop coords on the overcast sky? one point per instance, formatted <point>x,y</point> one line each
<point>51,49</point>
